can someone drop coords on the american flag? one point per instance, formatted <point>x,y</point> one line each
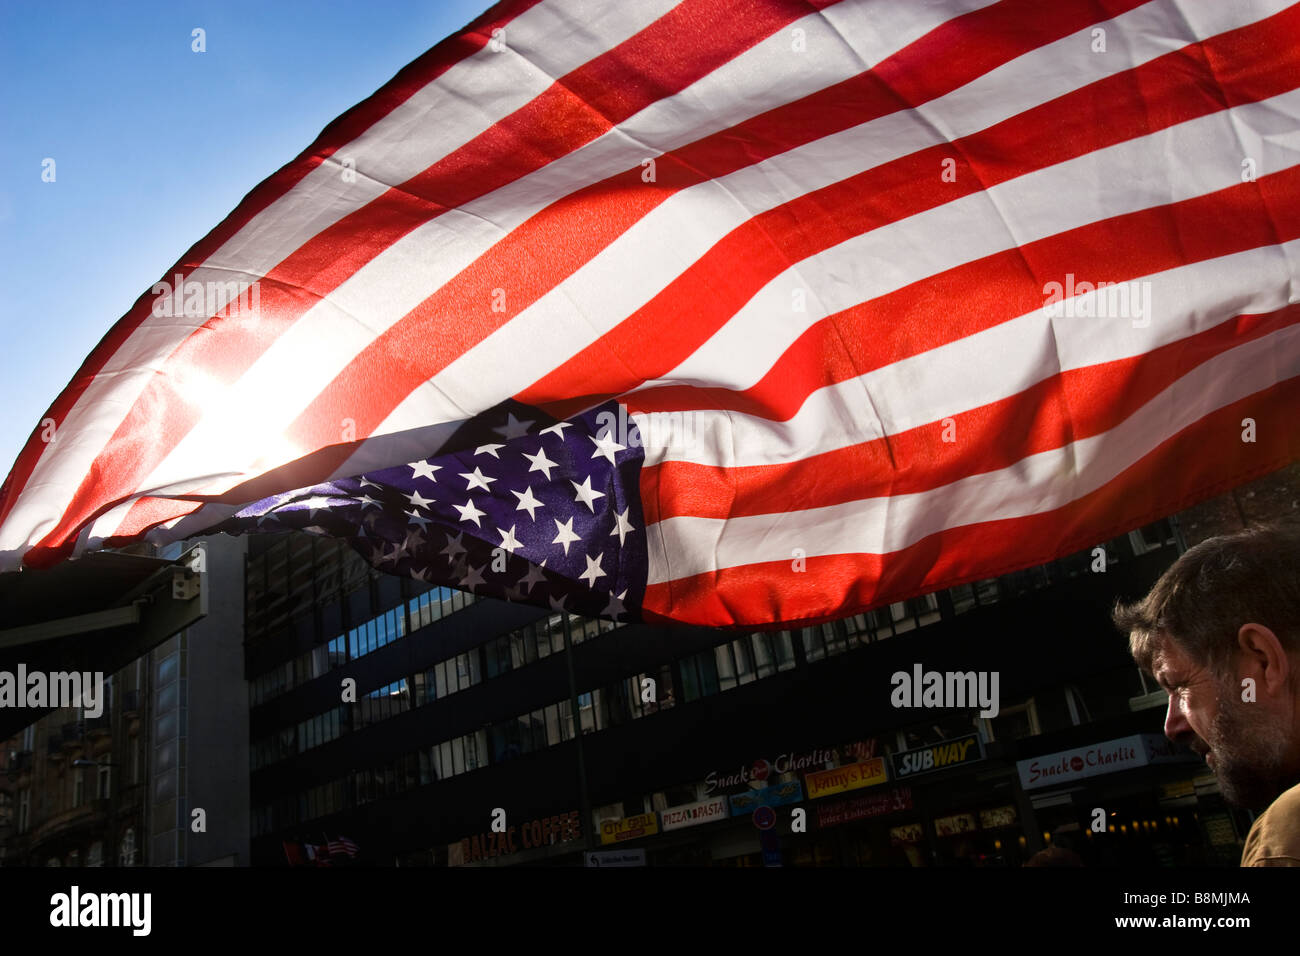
<point>342,847</point>
<point>897,296</point>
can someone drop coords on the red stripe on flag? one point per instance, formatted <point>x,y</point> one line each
<point>889,328</point>
<point>685,314</point>
<point>1066,407</point>
<point>752,595</point>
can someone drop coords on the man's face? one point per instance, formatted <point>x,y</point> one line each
<point>1235,737</point>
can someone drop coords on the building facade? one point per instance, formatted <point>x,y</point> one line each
<point>122,788</point>
<point>479,732</point>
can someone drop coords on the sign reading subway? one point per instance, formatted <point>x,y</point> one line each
<point>940,756</point>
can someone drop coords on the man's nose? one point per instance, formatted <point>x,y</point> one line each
<point>1176,725</point>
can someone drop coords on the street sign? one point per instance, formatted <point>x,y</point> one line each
<point>764,818</point>
<point>616,858</point>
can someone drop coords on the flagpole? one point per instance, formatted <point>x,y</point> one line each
<point>585,800</point>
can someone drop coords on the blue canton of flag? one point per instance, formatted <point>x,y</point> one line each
<point>525,509</point>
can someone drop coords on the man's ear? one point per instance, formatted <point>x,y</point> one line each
<point>1263,657</point>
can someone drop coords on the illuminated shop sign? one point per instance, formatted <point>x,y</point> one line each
<point>907,833</point>
<point>776,796</point>
<point>854,776</point>
<point>792,762</point>
<point>862,807</point>
<point>1124,753</point>
<point>998,817</point>
<point>562,828</point>
<point>955,824</point>
<point>629,828</point>
<point>693,814</point>
<point>940,756</point>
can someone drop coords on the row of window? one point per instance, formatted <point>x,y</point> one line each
<point>380,631</point>
<point>95,854</point>
<point>511,651</point>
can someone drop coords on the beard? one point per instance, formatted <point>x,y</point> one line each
<point>1249,753</point>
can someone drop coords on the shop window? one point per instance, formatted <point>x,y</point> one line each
<point>1013,723</point>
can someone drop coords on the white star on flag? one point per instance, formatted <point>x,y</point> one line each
<point>540,462</point>
<point>527,502</point>
<point>476,479</point>
<point>422,469</point>
<point>508,539</point>
<point>454,547</point>
<point>623,526</point>
<point>418,500</point>
<point>593,568</point>
<point>605,445</point>
<point>469,513</point>
<point>513,428</point>
<point>566,535</point>
<point>534,576</point>
<point>558,428</point>
<point>586,494</point>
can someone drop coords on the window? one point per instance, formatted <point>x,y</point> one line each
<point>104,775</point>
<point>78,786</point>
<point>126,851</point>
<point>552,725</point>
<point>1013,723</point>
<point>24,810</point>
<point>96,855</point>
<point>725,661</point>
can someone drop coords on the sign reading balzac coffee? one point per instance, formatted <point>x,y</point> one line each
<point>526,836</point>
<point>788,763</point>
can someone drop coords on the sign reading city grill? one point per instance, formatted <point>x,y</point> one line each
<point>1124,753</point>
<point>940,756</point>
<point>628,828</point>
<point>854,776</point>
<point>693,814</point>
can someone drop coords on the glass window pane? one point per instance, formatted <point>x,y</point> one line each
<point>708,673</point>
<point>725,665</point>
<point>784,651</point>
<point>552,725</point>
<point>690,680</point>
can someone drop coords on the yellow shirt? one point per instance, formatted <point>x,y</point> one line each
<point>1274,837</point>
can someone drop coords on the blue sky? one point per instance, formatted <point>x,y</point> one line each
<point>154,144</point>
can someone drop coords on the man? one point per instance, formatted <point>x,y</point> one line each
<point>1220,632</point>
